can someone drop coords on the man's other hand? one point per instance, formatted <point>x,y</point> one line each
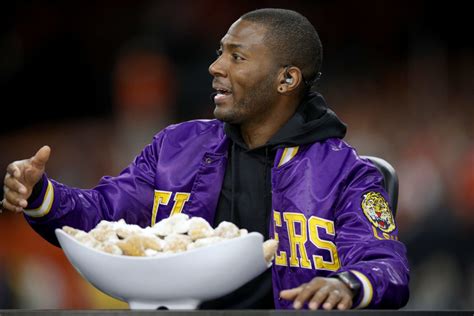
<point>21,177</point>
<point>326,292</point>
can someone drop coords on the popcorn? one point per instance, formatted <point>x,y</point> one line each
<point>86,239</point>
<point>176,224</point>
<point>269,249</point>
<point>243,232</point>
<point>227,230</point>
<point>102,234</point>
<point>124,231</point>
<point>199,228</point>
<point>132,246</point>
<point>176,243</point>
<point>110,248</point>
<point>177,233</point>
<point>71,231</point>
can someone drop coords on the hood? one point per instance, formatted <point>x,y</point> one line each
<point>313,121</point>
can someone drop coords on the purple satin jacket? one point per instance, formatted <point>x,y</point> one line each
<point>330,210</point>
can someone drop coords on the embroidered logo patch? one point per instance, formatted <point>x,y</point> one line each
<point>378,212</point>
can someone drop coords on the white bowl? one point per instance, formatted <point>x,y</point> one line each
<point>176,281</point>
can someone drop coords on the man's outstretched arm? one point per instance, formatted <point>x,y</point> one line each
<point>53,205</point>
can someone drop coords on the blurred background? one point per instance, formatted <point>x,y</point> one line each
<point>96,80</point>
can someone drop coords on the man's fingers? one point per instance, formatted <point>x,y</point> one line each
<point>307,292</point>
<point>8,206</point>
<point>334,297</point>
<point>13,184</point>
<point>41,157</point>
<point>326,292</point>
<point>13,170</point>
<point>319,297</point>
<point>345,303</point>
<point>15,199</point>
<point>291,293</point>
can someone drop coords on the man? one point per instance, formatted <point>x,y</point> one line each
<point>272,162</point>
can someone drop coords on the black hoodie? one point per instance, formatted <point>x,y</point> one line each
<point>245,197</point>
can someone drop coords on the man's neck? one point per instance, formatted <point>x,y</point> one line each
<point>258,133</point>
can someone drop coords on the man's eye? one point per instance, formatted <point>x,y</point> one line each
<point>237,57</point>
<point>219,52</point>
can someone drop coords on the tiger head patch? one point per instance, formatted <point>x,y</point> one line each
<point>378,212</point>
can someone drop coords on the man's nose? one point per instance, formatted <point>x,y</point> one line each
<point>216,69</point>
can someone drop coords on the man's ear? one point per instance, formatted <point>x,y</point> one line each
<point>290,79</point>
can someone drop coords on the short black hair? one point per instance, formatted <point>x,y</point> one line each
<point>293,37</point>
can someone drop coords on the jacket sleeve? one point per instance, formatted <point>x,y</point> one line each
<point>128,196</point>
<point>367,240</point>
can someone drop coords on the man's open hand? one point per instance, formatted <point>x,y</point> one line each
<point>328,292</point>
<point>21,177</point>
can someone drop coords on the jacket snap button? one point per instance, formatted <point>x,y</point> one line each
<point>208,160</point>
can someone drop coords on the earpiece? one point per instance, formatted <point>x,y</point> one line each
<point>289,78</point>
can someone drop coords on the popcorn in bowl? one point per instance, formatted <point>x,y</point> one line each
<point>177,233</point>
<point>167,264</point>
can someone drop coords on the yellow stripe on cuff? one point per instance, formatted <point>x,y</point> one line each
<point>367,288</point>
<point>45,206</point>
<point>288,154</point>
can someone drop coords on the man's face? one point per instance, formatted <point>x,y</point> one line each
<point>245,75</point>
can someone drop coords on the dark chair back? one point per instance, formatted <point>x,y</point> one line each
<point>390,180</point>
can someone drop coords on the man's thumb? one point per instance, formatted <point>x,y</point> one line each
<point>41,157</point>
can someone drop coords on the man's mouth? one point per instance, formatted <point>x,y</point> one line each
<point>221,94</point>
<point>223,91</point>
